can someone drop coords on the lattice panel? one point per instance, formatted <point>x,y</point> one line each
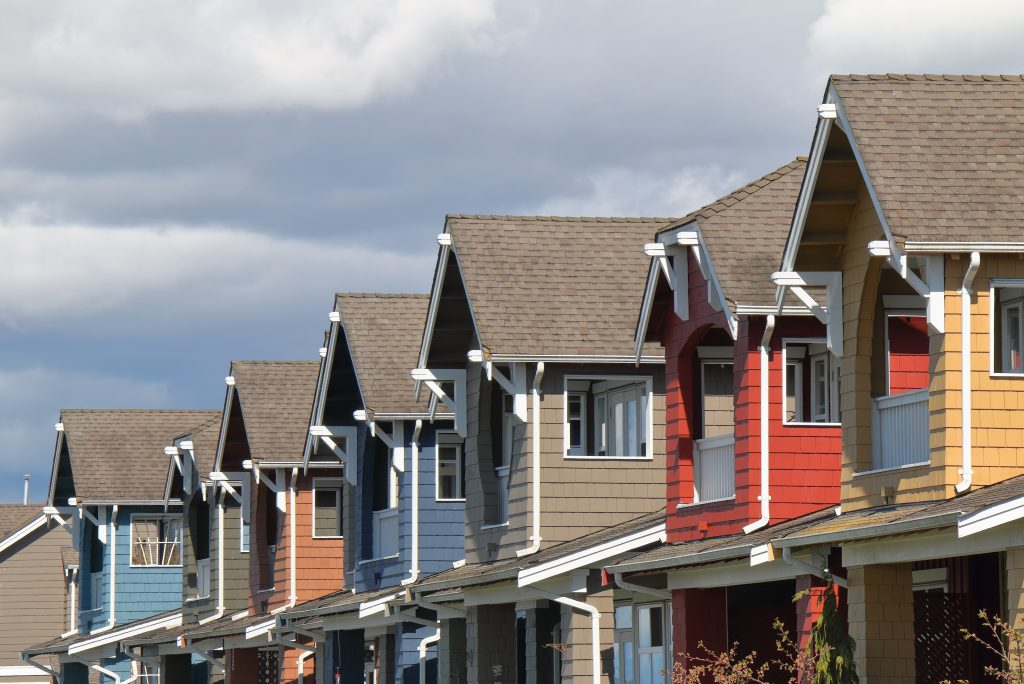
<point>940,649</point>
<point>269,667</point>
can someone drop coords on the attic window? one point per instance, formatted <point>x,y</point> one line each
<point>156,541</point>
<point>607,417</point>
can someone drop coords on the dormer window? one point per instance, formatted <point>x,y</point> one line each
<point>810,383</point>
<point>607,417</point>
<point>1008,327</point>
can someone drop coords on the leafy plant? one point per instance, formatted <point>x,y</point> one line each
<point>1003,641</point>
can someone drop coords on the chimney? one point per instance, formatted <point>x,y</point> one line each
<point>25,498</point>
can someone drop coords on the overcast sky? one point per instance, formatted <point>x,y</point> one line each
<point>185,182</point>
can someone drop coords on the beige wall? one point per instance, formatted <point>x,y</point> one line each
<point>578,496</point>
<point>881,618</point>
<point>33,595</point>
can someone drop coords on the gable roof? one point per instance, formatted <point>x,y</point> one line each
<point>550,285</point>
<point>383,333</point>
<point>204,443</point>
<point>118,454</point>
<point>942,152</point>
<point>745,232</point>
<point>276,399</point>
<point>15,517</point>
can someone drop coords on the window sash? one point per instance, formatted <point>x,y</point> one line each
<point>610,419</point>
<point>327,513</point>
<point>1012,336</point>
<point>449,485</point>
<point>819,388</point>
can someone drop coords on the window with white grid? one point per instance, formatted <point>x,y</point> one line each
<point>156,541</point>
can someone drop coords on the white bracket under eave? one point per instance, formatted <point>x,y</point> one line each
<point>514,386</point>
<point>832,313</point>
<point>220,479</point>
<point>675,275</point>
<point>932,288</point>
<point>456,403</point>
<point>330,435</point>
<point>394,440</point>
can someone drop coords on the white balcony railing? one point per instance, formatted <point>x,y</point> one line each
<point>899,429</point>
<point>385,533</point>
<point>714,465</point>
<point>502,476</point>
<point>202,578</point>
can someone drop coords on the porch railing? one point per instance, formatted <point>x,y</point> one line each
<point>385,533</point>
<point>714,465</point>
<point>899,429</point>
<point>501,474</point>
<point>202,577</point>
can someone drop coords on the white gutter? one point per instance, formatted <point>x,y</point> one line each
<point>765,427</point>
<point>220,563</point>
<point>640,589</point>
<point>787,556</point>
<point>991,516</point>
<point>112,541</point>
<point>595,628</point>
<point>414,564</point>
<point>300,664</point>
<point>424,646</point>
<point>535,539</point>
<point>293,597</point>
<point>39,666</point>
<point>966,290</point>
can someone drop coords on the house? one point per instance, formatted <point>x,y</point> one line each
<point>38,577</point>
<point>529,342</point>
<point>752,424</point>
<point>404,515</point>
<point>107,486</point>
<point>924,280</point>
<point>287,527</point>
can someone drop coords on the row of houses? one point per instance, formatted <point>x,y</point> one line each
<point>596,445</point>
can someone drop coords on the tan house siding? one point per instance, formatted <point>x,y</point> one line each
<point>33,592</point>
<point>578,496</point>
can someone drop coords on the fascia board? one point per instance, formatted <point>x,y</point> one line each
<point>861,533</point>
<point>729,574</point>
<point>990,517</point>
<point>54,468</point>
<point>592,555</point>
<point>654,277</point>
<point>683,560</point>
<point>322,383</point>
<point>911,247</point>
<point>167,622</point>
<point>222,439</point>
<point>939,543</point>
<point>574,359</point>
<point>22,533</point>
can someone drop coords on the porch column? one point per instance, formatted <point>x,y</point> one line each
<point>491,644</point>
<point>577,630</point>
<point>1015,589</point>
<point>881,612</point>
<point>542,621</point>
<point>698,616</point>
<point>451,652</point>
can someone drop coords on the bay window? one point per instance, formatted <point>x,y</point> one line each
<point>607,417</point>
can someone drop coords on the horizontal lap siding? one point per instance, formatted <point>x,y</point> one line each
<point>142,591</point>
<point>442,526</point>
<point>33,592</point>
<point>804,460</point>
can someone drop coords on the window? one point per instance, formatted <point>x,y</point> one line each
<point>450,469</point>
<point>1008,355</point>
<point>717,398</point>
<point>607,417</point>
<point>156,541</point>
<point>642,641</point>
<point>96,586</point>
<point>246,530</point>
<point>810,383</point>
<point>327,507</point>
<point>503,447</point>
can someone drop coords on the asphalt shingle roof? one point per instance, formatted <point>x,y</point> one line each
<point>384,333</point>
<point>276,399</point>
<point>14,517</point>
<point>118,454</point>
<point>746,230</point>
<point>942,152</point>
<point>546,285</point>
<point>205,437</point>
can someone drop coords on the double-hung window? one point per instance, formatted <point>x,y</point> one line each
<point>451,474</point>
<point>156,541</point>
<point>608,417</point>
<point>327,507</point>
<point>642,643</point>
<point>810,383</point>
<point>1008,344</point>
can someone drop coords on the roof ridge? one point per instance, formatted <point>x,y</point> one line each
<point>138,410</point>
<point>949,78</point>
<point>748,189</point>
<point>561,219</point>
<point>382,295</point>
<point>258,362</point>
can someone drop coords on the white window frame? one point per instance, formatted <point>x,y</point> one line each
<point>569,449</point>
<point>798,395</point>
<point>155,516</point>
<point>832,387</point>
<point>634,638</point>
<point>645,427</point>
<point>333,483</point>
<point>96,583</point>
<point>997,284</point>
<point>449,439</point>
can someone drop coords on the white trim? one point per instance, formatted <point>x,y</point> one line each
<point>20,671</point>
<point>334,484</point>
<point>592,555</point>
<point>259,629</point>
<point>831,314</point>
<point>991,516</point>
<point>920,247</point>
<point>349,455</point>
<point>156,516</point>
<point>433,378</point>
<point>876,471</point>
<point>166,622</point>
<point>323,382</point>
<point>573,358</point>
<point>22,533</point>
<point>460,466</point>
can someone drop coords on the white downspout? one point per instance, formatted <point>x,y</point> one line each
<point>966,290</point>
<point>535,539</point>
<point>414,569</point>
<point>73,626</point>
<point>112,540</point>
<point>765,427</point>
<point>424,646</point>
<point>595,627</point>
<point>104,671</point>
<point>300,664</point>
<point>640,589</point>
<point>220,563</point>
<point>293,597</point>
<point>39,666</point>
